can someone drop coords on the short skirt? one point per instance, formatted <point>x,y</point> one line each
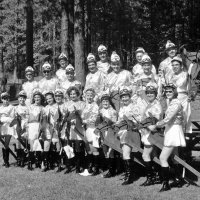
<point>91,137</point>
<point>33,130</point>
<point>174,136</point>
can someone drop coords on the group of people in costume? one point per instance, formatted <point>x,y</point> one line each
<point>56,118</point>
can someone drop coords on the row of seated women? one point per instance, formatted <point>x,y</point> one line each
<point>115,97</point>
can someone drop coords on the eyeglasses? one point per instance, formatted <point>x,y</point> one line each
<point>150,92</point>
<point>168,91</point>
<point>46,72</point>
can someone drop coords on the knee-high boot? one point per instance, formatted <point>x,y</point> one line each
<point>78,162</point>
<point>88,164</point>
<point>6,160</point>
<point>96,165</point>
<point>129,172</point>
<point>111,168</point>
<point>18,157</point>
<point>178,181</point>
<point>45,161</point>
<point>22,157</point>
<point>38,159</point>
<point>165,178</point>
<point>59,161</point>
<point>30,160</point>
<point>3,153</point>
<point>149,174</point>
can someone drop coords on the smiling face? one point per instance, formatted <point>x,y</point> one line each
<point>70,75</point>
<point>103,56</point>
<point>5,101</point>
<point>59,99</point>
<point>139,56</point>
<point>105,103</point>
<point>176,66</point>
<point>47,74</point>
<point>147,68</point>
<point>125,99</point>
<point>73,95</point>
<point>115,66</point>
<point>171,52</point>
<point>49,99</point>
<point>151,96</point>
<point>37,99</point>
<point>63,63</point>
<point>90,96</point>
<point>92,67</point>
<point>22,100</point>
<point>29,76</point>
<point>169,93</point>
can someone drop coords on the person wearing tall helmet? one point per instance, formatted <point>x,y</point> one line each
<point>48,82</point>
<point>60,73</point>
<point>30,84</point>
<point>117,78</point>
<point>173,136</point>
<point>95,78</point>
<point>70,81</point>
<point>103,64</point>
<point>180,80</point>
<point>165,68</point>
<point>137,69</point>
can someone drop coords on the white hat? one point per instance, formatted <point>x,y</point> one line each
<point>59,92</point>
<point>102,48</point>
<point>4,94</point>
<point>90,88</point>
<point>151,86</point>
<point>105,95</point>
<point>169,44</point>
<point>37,91</point>
<point>91,58</point>
<point>22,93</point>
<point>125,90</point>
<point>69,68</point>
<point>139,49</point>
<point>177,58</point>
<point>114,57</point>
<point>46,92</point>
<point>145,59</point>
<point>46,66</point>
<point>29,69</point>
<point>62,56</point>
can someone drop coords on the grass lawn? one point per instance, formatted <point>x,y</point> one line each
<point>21,184</point>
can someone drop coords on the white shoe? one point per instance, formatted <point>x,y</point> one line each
<point>85,173</point>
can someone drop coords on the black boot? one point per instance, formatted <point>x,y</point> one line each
<point>18,157</point>
<point>7,158</point>
<point>118,164</point>
<point>111,168</point>
<point>90,161</point>
<point>96,165</point>
<point>67,165</point>
<point>149,174</point>
<point>22,158</point>
<point>59,162</point>
<point>178,181</point>
<point>165,178</point>
<point>38,159</point>
<point>78,162</point>
<point>45,161</point>
<point>129,172</point>
<point>30,160</point>
<point>3,153</point>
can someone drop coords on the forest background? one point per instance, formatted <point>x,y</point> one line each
<point>35,31</point>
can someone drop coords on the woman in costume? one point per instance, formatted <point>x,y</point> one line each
<point>75,105</point>
<point>70,81</point>
<point>116,79</point>
<point>30,84</point>
<point>173,135</point>
<point>103,64</point>
<point>48,83</point>
<point>153,110</point>
<point>6,116</point>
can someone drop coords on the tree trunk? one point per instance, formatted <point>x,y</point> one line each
<point>79,40</point>
<point>29,32</point>
<point>64,28</point>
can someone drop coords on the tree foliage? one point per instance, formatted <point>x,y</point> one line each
<point>122,25</point>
